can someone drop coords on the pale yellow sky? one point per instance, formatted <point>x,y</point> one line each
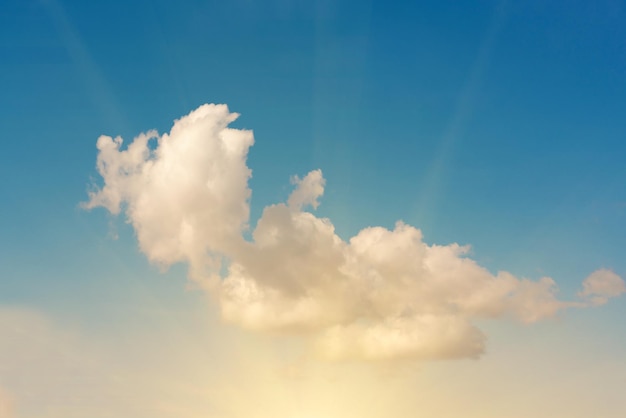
<point>191,366</point>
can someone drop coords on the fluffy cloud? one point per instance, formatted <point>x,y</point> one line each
<point>602,285</point>
<point>384,294</point>
<point>187,198</point>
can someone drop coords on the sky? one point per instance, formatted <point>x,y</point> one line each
<point>305,209</point>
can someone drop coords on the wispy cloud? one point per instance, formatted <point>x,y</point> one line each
<point>383,294</point>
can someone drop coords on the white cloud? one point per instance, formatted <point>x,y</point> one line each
<point>601,285</point>
<point>307,191</point>
<point>384,294</point>
<point>398,337</point>
<point>187,198</point>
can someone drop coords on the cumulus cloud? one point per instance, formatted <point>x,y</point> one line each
<point>383,294</point>
<point>186,198</point>
<point>602,285</point>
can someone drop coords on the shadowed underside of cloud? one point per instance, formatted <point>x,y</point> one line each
<point>384,294</point>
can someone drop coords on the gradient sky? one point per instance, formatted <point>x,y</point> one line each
<point>494,124</point>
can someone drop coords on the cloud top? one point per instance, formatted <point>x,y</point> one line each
<point>384,294</point>
<point>187,195</point>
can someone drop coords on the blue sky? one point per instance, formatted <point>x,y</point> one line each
<point>494,124</point>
